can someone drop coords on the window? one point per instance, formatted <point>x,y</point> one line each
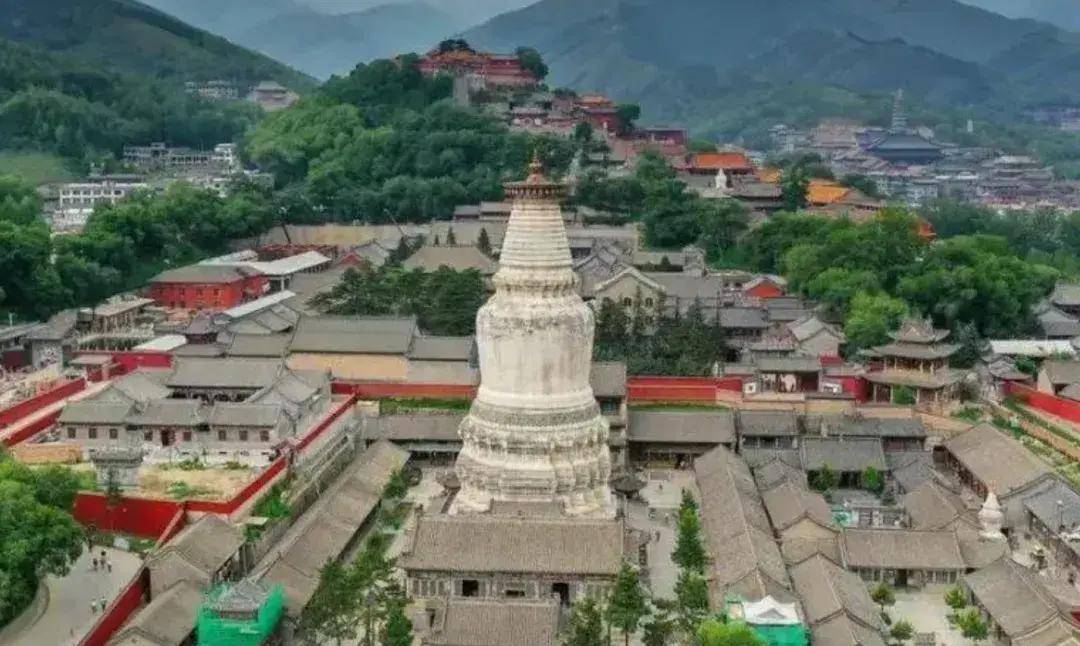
<point>470,588</point>
<point>609,406</point>
<point>627,302</point>
<point>187,436</point>
<point>113,433</point>
<point>148,436</point>
<point>71,433</point>
<point>222,436</point>
<point>243,436</point>
<point>648,302</point>
<point>264,436</point>
<point>515,593</point>
<point>92,433</point>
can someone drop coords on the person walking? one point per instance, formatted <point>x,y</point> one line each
<point>94,566</point>
<point>108,565</point>
<point>93,606</point>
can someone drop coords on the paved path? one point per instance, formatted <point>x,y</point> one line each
<point>68,616</point>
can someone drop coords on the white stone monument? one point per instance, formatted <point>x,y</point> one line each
<point>535,433</point>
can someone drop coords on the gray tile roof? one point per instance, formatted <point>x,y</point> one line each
<point>1043,504</point>
<point>206,544</point>
<point>921,331</point>
<point>1066,295</point>
<point>507,544</point>
<point>910,468</point>
<point>414,427</point>
<point>1013,596</point>
<point>168,620</point>
<point>809,326</point>
<point>738,536</point>
<point>827,590</point>
<point>169,412</point>
<point>94,412</point>
<point>244,414</point>
<point>206,274</point>
<point>231,373</point>
<point>917,351</point>
<point>768,423</point>
<point>460,258</point>
<point>933,507</point>
<point>608,378</point>
<point>354,335</point>
<point>1061,372</point>
<point>996,460</point>
<point>852,426</point>
<point>738,318</point>
<point>843,455</point>
<point>777,472</point>
<point>140,387</point>
<point>443,348</point>
<point>258,345</point>
<point>682,427</point>
<point>496,622</point>
<point>788,504</point>
<point>789,364</point>
<point>1058,324</point>
<point>901,549</point>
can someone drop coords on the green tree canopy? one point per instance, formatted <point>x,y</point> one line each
<point>627,604</point>
<point>713,632</point>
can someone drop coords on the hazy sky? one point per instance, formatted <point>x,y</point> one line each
<point>477,9</point>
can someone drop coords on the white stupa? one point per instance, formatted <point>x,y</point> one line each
<point>991,518</point>
<point>535,433</point>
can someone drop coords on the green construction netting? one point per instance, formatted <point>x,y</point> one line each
<point>783,635</point>
<point>214,630</point>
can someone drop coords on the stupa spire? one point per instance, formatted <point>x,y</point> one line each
<point>534,433</point>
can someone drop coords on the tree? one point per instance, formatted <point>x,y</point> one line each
<point>397,628</point>
<point>713,632</point>
<point>862,183</point>
<point>955,598</point>
<point>483,242</point>
<point>627,605</point>
<point>872,480</point>
<point>586,624</point>
<point>794,189</point>
<point>824,479</point>
<point>451,239</point>
<point>902,631</point>
<point>334,609</point>
<point>691,600</point>
<point>689,553</point>
<point>583,133</point>
<point>659,630</point>
<point>687,501</point>
<point>531,60</point>
<point>628,114</point>
<point>903,396</point>
<point>870,320</point>
<point>883,595</point>
<point>973,626</point>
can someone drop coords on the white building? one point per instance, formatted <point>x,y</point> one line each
<point>77,200</point>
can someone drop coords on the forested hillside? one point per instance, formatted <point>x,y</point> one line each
<point>129,37</point>
<point>688,61</point>
<point>64,105</point>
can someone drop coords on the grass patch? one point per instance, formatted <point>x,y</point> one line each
<point>399,406</point>
<point>273,505</point>
<point>1015,407</point>
<point>678,407</point>
<point>36,168</point>
<point>972,414</point>
<point>182,491</point>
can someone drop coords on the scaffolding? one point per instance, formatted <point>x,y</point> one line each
<point>239,614</point>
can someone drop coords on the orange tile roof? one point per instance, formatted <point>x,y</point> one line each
<point>823,192</point>
<point>720,161</point>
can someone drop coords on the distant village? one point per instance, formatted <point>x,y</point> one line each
<point>836,496</point>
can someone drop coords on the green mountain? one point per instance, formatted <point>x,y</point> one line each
<point>324,44</point>
<point>664,53</point>
<point>129,37</point>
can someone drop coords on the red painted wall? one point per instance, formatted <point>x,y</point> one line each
<point>30,406</point>
<point>213,296</point>
<point>856,386</point>
<point>679,389</point>
<point>14,359</point>
<point>378,390</point>
<point>1065,408</point>
<point>143,517</point>
<point>120,610</point>
<point>28,431</point>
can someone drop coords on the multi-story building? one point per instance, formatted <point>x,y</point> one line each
<point>918,360</point>
<point>75,201</point>
<point>217,90</point>
<point>272,96</point>
<point>484,69</point>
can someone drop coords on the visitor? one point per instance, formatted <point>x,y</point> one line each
<point>94,567</point>
<point>108,565</point>
<point>93,606</point>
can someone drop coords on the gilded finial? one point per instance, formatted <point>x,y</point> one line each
<point>536,170</point>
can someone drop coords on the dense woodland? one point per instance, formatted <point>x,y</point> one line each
<point>40,536</point>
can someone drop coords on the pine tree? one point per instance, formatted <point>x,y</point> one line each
<point>689,553</point>
<point>397,630</point>
<point>483,242</point>
<point>451,239</point>
<point>627,605</point>
<point>691,600</point>
<point>333,612</point>
<point>586,625</point>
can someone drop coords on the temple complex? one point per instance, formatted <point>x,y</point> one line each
<point>534,518</point>
<point>916,359</point>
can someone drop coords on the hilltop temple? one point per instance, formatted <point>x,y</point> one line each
<point>533,525</point>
